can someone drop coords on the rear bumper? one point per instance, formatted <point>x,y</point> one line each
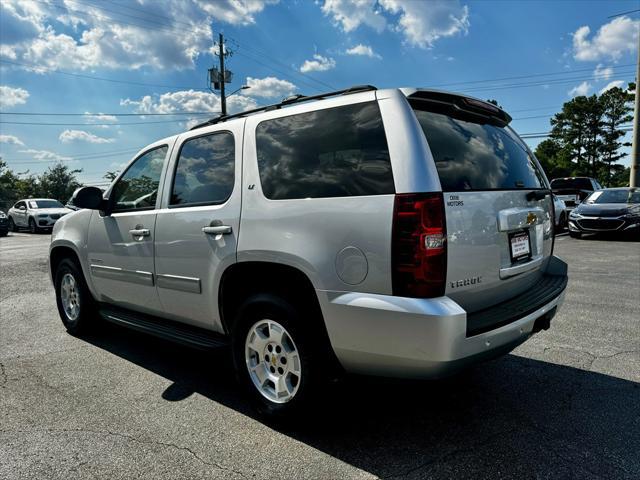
<point>426,338</point>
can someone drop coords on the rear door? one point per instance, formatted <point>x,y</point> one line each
<point>498,210</point>
<point>197,228</point>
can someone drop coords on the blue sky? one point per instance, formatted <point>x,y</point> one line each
<point>556,49</point>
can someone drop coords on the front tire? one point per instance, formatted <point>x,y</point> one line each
<point>12,225</point>
<point>73,298</point>
<point>33,228</point>
<point>575,234</point>
<point>274,356</point>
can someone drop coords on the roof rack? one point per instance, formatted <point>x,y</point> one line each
<point>287,101</point>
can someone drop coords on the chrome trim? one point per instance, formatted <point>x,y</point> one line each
<point>606,219</point>
<point>115,273</point>
<point>516,218</point>
<point>177,282</point>
<point>532,264</point>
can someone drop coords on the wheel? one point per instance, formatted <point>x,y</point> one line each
<point>73,298</point>
<point>3,233</point>
<point>562,223</point>
<point>33,228</point>
<point>12,225</point>
<point>274,357</point>
<point>575,234</point>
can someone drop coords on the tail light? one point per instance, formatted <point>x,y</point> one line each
<point>419,245</point>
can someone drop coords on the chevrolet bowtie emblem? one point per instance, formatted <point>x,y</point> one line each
<point>531,218</point>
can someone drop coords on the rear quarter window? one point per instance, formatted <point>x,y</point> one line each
<point>474,156</point>
<point>336,152</point>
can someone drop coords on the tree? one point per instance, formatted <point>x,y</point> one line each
<point>14,186</point>
<point>59,182</point>
<point>111,175</point>
<point>617,109</point>
<point>553,159</point>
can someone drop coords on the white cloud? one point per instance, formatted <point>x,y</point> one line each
<point>350,14</point>
<point>421,23</point>
<point>188,101</point>
<point>10,97</point>
<point>318,64</point>
<point>612,40</point>
<point>11,140</point>
<point>235,12</point>
<point>580,90</point>
<point>94,37</point>
<point>364,50</point>
<point>610,85</point>
<point>602,73</point>
<point>99,117</point>
<point>268,87</point>
<point>80,135</point>
<point>44,154</point>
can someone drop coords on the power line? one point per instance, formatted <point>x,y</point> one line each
<point>103,79</point>
<point>623,13</point>
<point>90,124</point>
<point>58,114</point>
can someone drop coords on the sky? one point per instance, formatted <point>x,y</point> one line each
<point>112,71</point>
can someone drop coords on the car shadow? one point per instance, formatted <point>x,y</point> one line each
<point>512,417</point>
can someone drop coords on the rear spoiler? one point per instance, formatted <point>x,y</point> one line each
<point>459,106</point>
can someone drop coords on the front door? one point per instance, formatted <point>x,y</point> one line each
<point>197,228</point>
<point>121,244</point>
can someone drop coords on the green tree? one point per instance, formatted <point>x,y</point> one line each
<point>111,175</point>
<point>59,182</point>
<point>553,159</point>
<point>617,107</point>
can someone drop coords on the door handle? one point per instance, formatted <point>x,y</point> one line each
<point>217,229</point>
<point>140,232</point>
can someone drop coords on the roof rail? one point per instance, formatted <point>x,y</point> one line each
<point>287,101</point>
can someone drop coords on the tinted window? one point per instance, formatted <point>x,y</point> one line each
<point>205,170</point>
<point>614,196</point>
<point>45,204</point>
<point>571,184</point>
<point>337,152</point>
<point>137,189</point>
<point>473,156</point>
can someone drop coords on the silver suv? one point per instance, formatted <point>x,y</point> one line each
<point>396,232</point>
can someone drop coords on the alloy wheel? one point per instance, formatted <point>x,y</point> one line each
<point>70,296</point>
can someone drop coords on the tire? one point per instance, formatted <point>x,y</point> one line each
<point>3,233</point>
<point>33,228</point>
<point>298,376</point>
<point>82,318</point>
<point>575,234</point>
<point>562,224</point>
<point>12,225</point>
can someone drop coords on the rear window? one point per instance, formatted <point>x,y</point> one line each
<point>473,156</point>
<point>571,184</point>
<point>336,152</point>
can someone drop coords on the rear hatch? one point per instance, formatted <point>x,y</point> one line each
<point>571,190</point>
<point>498,207</point>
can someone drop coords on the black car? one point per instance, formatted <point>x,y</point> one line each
<point>4,224</point>
<point>573,190</point>
<point>608,210</point>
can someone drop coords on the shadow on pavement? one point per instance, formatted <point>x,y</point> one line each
<point>513,417</point>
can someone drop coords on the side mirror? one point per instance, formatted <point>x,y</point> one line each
<point>89,197</point>
<point>22,207</point>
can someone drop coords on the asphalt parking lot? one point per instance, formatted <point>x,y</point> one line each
<point>566,404</point>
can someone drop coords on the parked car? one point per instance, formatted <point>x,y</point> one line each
<point>4,224</point>
<point>560,210</point>
<point>397,232</point>
<point>36,214</point>
<point>608,210</point>
<point>573,190</point>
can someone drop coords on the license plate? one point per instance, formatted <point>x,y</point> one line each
<point>520,246</point>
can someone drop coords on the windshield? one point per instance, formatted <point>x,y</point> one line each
<point>45,204</point>
<point>614,196</point>
<point>571,183</point>
<point>474,156</point>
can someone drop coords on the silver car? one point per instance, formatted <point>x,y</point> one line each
<point>36,214</point>
<point>396,232</point>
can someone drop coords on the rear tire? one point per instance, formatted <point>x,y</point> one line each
<point>12,225</point>
<point>275,357</point>
<point>562,223</point>
<point>3,233</point>
<point>575,234</point>
<point>76,305</point>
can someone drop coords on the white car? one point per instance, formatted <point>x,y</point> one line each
<point>36,214</point>
<point>560,210</point>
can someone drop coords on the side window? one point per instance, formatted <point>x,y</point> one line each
<point>18,205</point>
<point>137,189</point>
<point>205,171</point>
<point>336,152</point>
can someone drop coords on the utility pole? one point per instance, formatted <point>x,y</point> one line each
<point>223,100</point>
<point>634,178</point>
<point>218,77</point>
